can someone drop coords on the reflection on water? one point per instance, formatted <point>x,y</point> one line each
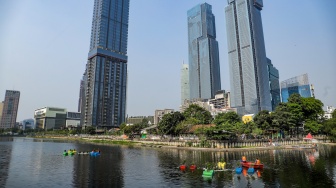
<point>5,155</point>
<point>40,163</point>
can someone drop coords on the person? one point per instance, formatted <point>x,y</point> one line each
<point>257,161</point>
<point>243,159</point>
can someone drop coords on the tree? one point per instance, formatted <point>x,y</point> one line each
<point>169,122</point>
<point>90,130</point>
<point>312,108</point>
<point>185,125</point>
<point>295,98</point>
<point>263,119</point>
<point>199,113</point>
<point>312,126</point>
<point>282,117</point>
<point>229,117</point>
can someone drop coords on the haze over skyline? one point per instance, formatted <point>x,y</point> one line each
<point>44,48</point>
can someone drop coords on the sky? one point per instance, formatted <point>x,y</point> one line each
<point>44,47</point>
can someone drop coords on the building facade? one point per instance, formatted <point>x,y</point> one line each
<point>106,69</point>
<point>273,76</point>
<point>185,89</point>
<point>299,84</point>
<point>138,119</point>
<point>160,113</point>
<point>250,91</point>
<point>1,108</point>
<point>50,118</point>
<point>73,120</point>
<point>10,109</point>
<point>204,70</point>
<point>328,112</point>
<point>219,104</point>
<point>27,124</point>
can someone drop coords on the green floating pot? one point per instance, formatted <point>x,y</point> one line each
<point>208,173</point>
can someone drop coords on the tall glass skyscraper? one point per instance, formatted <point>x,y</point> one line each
<point>250,91</point>
<point>299,84</point>
<point>106,70</point>
<point>273,75</point>
<point>204,70</point>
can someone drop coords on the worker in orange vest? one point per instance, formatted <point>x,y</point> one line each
<point>257,161</point>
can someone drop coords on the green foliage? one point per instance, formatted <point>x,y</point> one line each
<point>312,108</point>
<point>333,114</point>
<point>122,126</point>
<point>295,98</point>
<point>169,122</point>
<point>263,119</point>
<point>185,125</point>
<point>199,113</point>
<point>312,127</point>
<point>90,130</point>
<point>229,117</point>
<point>329,126</point>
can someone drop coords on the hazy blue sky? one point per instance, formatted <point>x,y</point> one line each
<point>44,46</point>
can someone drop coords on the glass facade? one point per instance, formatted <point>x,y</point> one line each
<point>299,84</point>
<point>250,90</point>
<point>273,75</point>
<point>204,70</point>
<point>106,69</point>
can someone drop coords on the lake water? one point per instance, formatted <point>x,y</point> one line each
<point>27,162</point>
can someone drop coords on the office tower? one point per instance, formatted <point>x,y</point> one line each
<point>185,90</point>
<point>250,91</point>
<point>10,109</point>
<point>273,76</point>
<point>299,84</point>
<point>106,69</point>
<point>81,94</point>
<point>1,108</point>
<point>204,71</point>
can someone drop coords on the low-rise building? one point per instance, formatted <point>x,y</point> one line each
<point>27,124</point>
<point>220,104</point>
<point>73,119</point>
<point>138,119</point>
<point>160,113</point>
<point>328,113</point>
<point>50,118</point>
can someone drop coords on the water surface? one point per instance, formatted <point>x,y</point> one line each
<point>28,162</point>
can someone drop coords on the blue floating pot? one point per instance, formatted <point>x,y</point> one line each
<point>250,170</point>
<point>239,170</point>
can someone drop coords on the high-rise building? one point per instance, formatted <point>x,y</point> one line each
<point>10,109</point>
<point>204,70</point>
<point>299,84</point>
<point>81,94</point>
<point>185,90</point>
<point>250,91</point>
<point>106,69</point>
<point>1,108</point>
<point>273,76</point>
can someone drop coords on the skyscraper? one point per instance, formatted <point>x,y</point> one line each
<point>185,90</point>
<point>273,75</point>
<point>106,69</point>
<point>299,84</point>
<point>204,70</point>
<point>250,91</point>
<point>10,109</point>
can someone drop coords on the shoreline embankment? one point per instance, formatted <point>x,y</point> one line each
<point>185,145</point>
